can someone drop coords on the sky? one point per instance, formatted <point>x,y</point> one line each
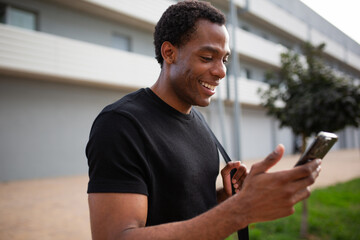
<point>343,14</point>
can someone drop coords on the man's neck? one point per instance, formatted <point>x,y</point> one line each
<point>164,92</point>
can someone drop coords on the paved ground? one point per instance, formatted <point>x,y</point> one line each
<point>57,209</point>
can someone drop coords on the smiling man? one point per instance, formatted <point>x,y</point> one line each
<point>152,162</point>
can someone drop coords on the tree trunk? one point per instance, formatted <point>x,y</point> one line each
<point>304,220</point>
<point>304,214</point>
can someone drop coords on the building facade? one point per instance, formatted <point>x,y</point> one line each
<point>62,61</point>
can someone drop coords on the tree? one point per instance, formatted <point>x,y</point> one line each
<point>309,97</point>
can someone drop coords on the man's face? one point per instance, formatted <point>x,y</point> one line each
<point>200,64</point>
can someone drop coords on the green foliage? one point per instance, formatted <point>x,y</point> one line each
<point>334,214</point>
<point>308,97</point>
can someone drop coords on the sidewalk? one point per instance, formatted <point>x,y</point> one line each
<point>56,209</point>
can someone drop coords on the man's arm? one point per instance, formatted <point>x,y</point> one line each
<point>123,216</point>
<point>264,196</point>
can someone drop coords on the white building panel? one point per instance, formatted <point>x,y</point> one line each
<point>353,59</point>
<point>247,90</point>
<point>335,49</point>
<point>278,17</point>
<point>332,47</point>
<point>43,54</point>
<point>149,11</point>
<point>258,48</point>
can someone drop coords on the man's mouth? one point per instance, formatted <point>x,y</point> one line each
<point>208,86</point>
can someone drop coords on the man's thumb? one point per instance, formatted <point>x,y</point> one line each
<point>269,161</point>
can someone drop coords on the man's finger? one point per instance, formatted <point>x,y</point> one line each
<point>225,173</point>
<point>307,169</point>
<point>269,161</point>
<point>230,166</point>
<point>241,171</point>
<point>301,195</point>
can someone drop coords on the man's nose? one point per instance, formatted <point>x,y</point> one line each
<point>219,70</point>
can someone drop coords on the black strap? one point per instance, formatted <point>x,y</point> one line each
<point>243,234</point>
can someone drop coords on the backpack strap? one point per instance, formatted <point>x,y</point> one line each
<point>243,234</point>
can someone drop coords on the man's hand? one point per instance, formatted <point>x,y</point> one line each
<point>237,180</point>
<point>268,196</point>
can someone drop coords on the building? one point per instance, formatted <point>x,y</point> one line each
<point>62,61</point>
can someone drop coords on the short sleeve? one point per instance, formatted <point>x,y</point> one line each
<point>116,156</point>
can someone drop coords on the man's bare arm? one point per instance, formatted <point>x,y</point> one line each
<point>264,196</point>
<point>123,216</point>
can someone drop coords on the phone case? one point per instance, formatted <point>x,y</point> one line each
<point>319,147</point>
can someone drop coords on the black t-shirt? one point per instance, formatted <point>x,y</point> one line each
<point>139,144</point>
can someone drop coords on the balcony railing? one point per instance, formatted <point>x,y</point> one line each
<point>284,21</point>
<point>258,49</point>
<point>40,55</point>
<point>46,56</point>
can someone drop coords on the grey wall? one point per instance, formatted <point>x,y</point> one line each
<point>259,133</point>
<point>44,127</point>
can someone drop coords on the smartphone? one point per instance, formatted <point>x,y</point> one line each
<point>318,148</point>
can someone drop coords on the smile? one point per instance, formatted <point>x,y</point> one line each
<point>208,86</point>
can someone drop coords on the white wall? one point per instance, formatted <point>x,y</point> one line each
<point>62,21</point>
<point>49,56</point>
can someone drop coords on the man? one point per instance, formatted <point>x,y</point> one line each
<point>153,163</point>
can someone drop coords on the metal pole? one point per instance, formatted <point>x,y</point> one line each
<point>235,65</point>
<point>221,116</point>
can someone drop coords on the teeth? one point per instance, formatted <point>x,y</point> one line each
<point>208,85</point>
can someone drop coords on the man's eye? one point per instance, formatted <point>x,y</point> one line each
<point>225,60</point>
<point>207,59</point>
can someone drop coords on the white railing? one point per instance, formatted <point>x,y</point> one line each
<point>149,11</point>
<point>247,90</point>
<point>28,53</point>
<point>258,48</point>
<point>249,44</point>
<point>278,17</point>
<point>42,55</point>
<point>285,21</point>
<point>52,57</point>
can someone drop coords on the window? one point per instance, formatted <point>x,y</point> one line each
<point>266,75</point>
<point>2,13</point>
<point>22,18</point>
<point>246,73</point>
<point>264,36</point>
<point>245,28</point>
<point>121,42</point>
<point>18,17</point>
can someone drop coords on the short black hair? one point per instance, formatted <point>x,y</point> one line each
<point>177,24</point>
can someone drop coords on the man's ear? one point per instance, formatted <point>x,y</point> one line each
<point>168,52</point>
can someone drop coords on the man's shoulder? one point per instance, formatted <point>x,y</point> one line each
<point>131,102</point>
<point>135,103</point>
<point>128,110</point>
